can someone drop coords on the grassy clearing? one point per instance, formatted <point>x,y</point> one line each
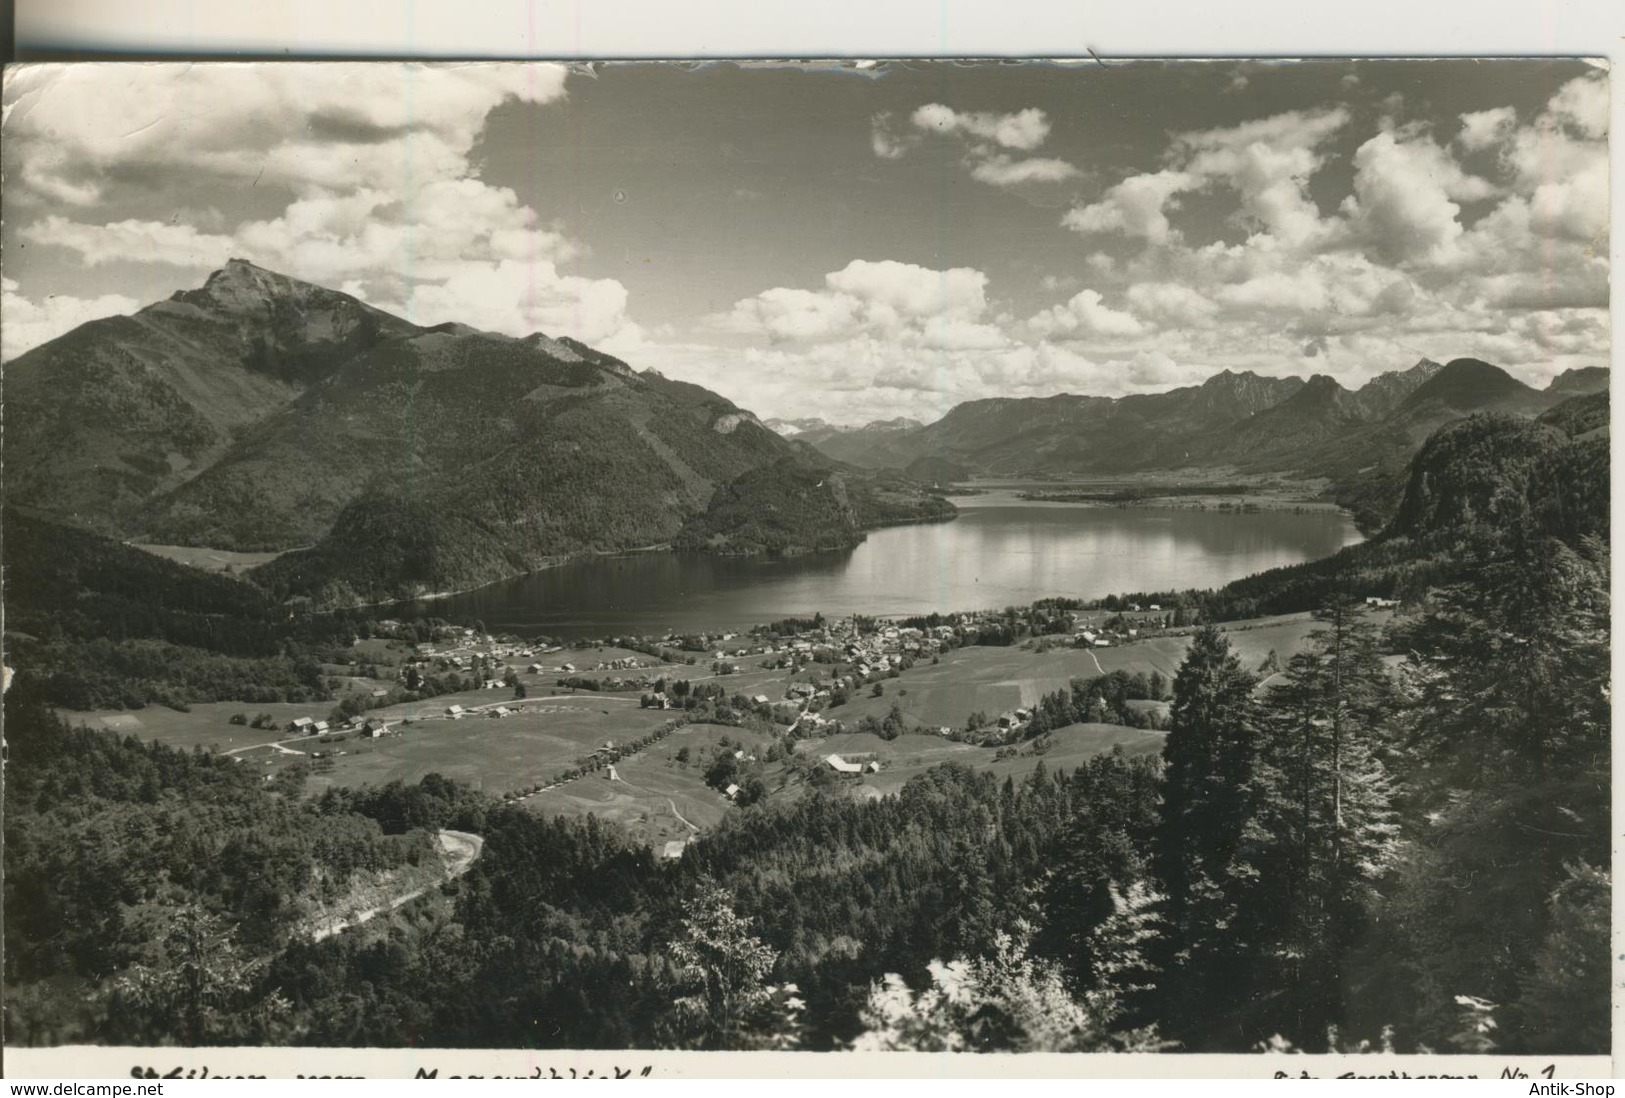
<point>210,560</point>
<point>208,724</point>
<point>913,754</point>
<point>652,794</point>
<point>1076,744</point>
<point>497,755</point>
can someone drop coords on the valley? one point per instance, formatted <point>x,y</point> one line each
<point>654,783</point>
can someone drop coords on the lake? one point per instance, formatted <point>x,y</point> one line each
<point>1001,551</point>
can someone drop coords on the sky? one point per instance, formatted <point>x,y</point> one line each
<point>850,242</point>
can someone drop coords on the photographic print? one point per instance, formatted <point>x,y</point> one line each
<point>851,557</point>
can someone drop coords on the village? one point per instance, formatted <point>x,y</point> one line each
<point>666,734</point>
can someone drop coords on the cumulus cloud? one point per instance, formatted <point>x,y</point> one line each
<point>517,297</point>
<point>1581,106</point>
<point>1482,129</point>
<point>29,322</point>
<point>1406,195</point>
<point>987,138</point>
<point>902,301</point>
<point>1171,304</point>
<point>131,241</point>
<point>1136,207</point>
<point>382,196</point>
<point>1266,163</point>
<point>74,130</point>
<point>1084,316</point>
<point>1023,130</point>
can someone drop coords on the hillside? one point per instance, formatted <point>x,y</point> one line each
<point>792,507</point>
<point>120,409</point>
<point>1579,415</point>
<point>262,413</point>
<point>93,623</point>
<point>1586,379</point>
<point>1474,485</point>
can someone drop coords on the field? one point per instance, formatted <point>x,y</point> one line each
<point>210,560</point>
<point>655,797</point>
<point>497,755</point>
<point>912,754</point>
<point>207,725</point>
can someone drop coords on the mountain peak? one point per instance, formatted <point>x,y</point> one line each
<point>1466,384</point>
<point>1323,383</point>
<point>241,288</point>
<point>1582,379</point>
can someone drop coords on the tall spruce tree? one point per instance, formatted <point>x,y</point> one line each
<point>1325,802</point>
<point>1202,856</point>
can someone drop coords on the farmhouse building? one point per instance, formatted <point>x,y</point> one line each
<point>841,766</point>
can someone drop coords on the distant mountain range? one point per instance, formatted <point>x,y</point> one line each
<point>1309,428</point>
<point>261,412</point>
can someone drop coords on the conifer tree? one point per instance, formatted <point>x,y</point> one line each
<point>1201,856</point>
<point>1326,806</point>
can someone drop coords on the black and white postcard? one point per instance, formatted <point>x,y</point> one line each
<point>1106,561</point>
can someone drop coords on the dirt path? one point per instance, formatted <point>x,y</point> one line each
<point>681,817</point>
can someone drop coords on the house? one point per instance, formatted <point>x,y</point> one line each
<point>380,693</point>
<point>872,766</point>
<point>301,725</point>
<point>612,776</point>
<point>740,754</point>
<point>673,849</point>
<point>320,728</point>
<point>455,712</point>
<point>502,711</point>
<point>759,699</point>
<point>841,766</point>
<point>731,792</point>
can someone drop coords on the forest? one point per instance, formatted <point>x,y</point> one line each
<point>1401,842</point>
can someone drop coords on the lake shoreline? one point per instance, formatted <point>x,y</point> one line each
<point>999,551</point>
<point>552,563</point>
